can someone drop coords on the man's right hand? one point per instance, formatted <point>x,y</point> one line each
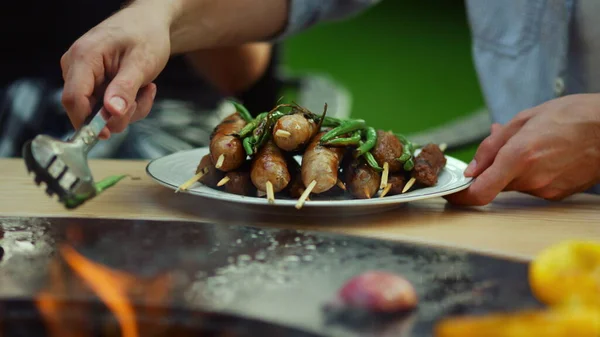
<point>123,55</point>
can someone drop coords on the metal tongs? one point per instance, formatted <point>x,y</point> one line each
<point>63,165</point>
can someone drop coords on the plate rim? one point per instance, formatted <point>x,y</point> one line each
<point>251,200</point>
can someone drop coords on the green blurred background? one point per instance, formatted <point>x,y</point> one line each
<point>407,64</point>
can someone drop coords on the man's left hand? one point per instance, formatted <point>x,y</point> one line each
<point>551,151</point>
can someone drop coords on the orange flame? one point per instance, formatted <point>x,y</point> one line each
<point>111,286</point>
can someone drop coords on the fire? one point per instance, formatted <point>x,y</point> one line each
<point>112,287</point>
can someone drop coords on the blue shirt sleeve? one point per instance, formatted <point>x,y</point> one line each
<point>304,14</point>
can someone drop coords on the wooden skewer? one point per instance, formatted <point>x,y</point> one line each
<point>367,193</point>
<point>384,175</point>
<point>192,180</point>
<point>282,133</point>
<point>270,194</point>
<point>304,195</point>
<point>223,181</point>
<point>341,185</point>
<point>260,193</point>
<point>443,147</point>
<point>220,161</point>
<point>386,190</point>
<point>408,185</point>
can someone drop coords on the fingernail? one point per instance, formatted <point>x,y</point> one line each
<point>471,168</point>
<point>118,104</point>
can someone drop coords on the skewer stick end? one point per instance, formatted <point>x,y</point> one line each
<point>443,147</point>
<point>192,180</point>
<point>220,161</point>
<point>305,194</point>
<point>270,194</point>
<point>408,185</point>
<point>341,185</point>
<point>386,190</point>
<point>384,175</point>
<point>223,181</point>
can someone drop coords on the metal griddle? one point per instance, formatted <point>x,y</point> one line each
<point>282,278</point>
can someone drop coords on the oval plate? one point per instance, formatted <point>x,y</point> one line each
<point>175,169</point>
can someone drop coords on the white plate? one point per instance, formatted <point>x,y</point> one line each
<point>175,169</point>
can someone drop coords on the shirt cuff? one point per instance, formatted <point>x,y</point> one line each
<point>303,14</point>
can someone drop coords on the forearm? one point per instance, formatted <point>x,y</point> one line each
<point>208,24</point>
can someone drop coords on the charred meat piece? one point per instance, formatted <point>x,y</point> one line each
<point>296,186</point>
<point>293,132</point>
<point>224,144</point>
<point>428,165</point>
<point>213,176</point>
<point>387,150</point>
<point>321,164</point>
<point>240,183</point>
<point>269,164</point>
<point>361,179</point>
<point>398,181</point>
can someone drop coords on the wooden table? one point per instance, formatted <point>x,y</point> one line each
<point>514,225</point>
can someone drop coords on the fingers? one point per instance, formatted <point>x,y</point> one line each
<point>488,149</point>
<point>77,97</point>
<point>119,124</point>
<point>491,182</point>
<point>145,99</point>
<point>136,111</point>
<point>122,91</point>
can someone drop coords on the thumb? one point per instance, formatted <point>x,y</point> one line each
<point>121,92</point>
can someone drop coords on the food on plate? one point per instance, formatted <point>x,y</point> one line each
<point>320,165</point>
<point>396,183</point>
<point>388,149</point>
<point>226,149</point>
<point>564,277</point>
<point>339,158</point>
<point>428,165</point>
<point>361,179</point>
<point>378,291</point>
<point>296,187</point>
<point>239,181</point>
<point>293,132</point>
<point>269,171</point>
<point>211,176</point>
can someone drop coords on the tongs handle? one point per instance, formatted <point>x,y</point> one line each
<point>90,131</point>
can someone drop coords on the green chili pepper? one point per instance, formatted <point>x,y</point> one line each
<point>404,157</point>
<point>108,182</point>
<point>247,142</point>
<point>101,186</point>
<point>329,122</point>
<point>372,162</point>
<point>263,131</point>
<point>409,165</point>
<point>371,135</point>
<point>352,140</point>
<point>251,125</point>
<point>345,127</point>
<point>242,111</point>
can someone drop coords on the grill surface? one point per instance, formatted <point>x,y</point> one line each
<point>282,278</point>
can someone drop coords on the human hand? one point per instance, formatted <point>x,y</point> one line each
<point>550,151</point>
<point>123,55</point>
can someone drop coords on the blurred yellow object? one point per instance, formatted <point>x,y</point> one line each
<point>567,274</point>
<point>553,322</point>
